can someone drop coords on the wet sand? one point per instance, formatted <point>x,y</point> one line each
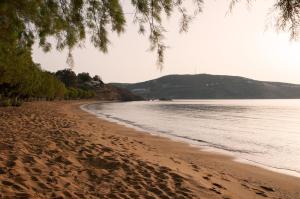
<point>56,150</point>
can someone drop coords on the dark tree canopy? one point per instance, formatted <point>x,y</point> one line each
<point>97,78</point>
<point>84,77</point>
<point>70,21</point>
<point>68,77</point>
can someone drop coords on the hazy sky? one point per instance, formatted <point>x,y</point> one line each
<point>234,44</point>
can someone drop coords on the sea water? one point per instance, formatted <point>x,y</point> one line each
<point>264,132</point>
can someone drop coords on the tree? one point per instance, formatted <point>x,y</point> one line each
<point>84,77</point>
<point>68,21</point>
<point>97,78</point>
<point>68,77</point>
<point>288,15</point>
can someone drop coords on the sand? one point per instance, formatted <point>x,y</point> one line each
<point>56,150</point>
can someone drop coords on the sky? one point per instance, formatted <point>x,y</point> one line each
<point>240,43</point>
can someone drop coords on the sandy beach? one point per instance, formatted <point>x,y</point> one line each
<point>56,150</point>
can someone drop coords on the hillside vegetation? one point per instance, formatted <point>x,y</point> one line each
<point>95,86</point>
<point>28,82</point>
<point>205,86</point>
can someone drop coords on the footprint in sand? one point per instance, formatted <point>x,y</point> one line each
<point>195,167</point>
<point>225,179</point>
<point>261,193</point>
<point>28,159</point>
<point>218,185</point>
<point>207,177</point>
<point>11,161</point>
<point>215,190</point>
<point>13,185</point>
<point>269,189</point>
<point>246,186</point>
<point>175,161</point>
<point>2,170</point>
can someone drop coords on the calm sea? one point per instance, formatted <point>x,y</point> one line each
<point>264,132</point>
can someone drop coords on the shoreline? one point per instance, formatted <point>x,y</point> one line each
<point>253,169</point>
<point>194,144</point>
<point>88,157</point>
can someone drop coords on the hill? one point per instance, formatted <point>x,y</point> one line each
<point>109,92</point>
<point>101,91</point>
<point>205,86</point>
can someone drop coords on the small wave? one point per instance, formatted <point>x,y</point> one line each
<point>214,145</point>
<point>145,128</point>
<point>293,172</point>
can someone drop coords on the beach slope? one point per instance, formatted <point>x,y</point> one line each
<point>56,150</point>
